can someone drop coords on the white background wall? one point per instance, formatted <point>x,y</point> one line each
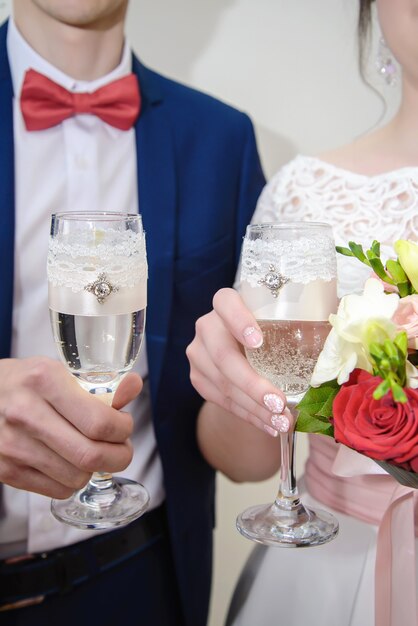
<point>292,65</point>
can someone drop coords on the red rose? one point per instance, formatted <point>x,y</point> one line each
<point>380,429</point>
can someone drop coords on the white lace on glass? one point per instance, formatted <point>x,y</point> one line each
<point>74,261</point>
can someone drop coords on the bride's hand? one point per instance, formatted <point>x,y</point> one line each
<point>220,372</point>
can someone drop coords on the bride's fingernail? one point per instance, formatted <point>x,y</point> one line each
<point>280,423</point>
<point>270,430</point>
<point>273,402</point>
<point>252,337</point>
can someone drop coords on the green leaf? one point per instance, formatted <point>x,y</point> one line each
<point>344,251</point>
<point>381,390</point>
<point>376,351</point>
<point>326,409</point>
<point>376,247</point>
<point>390,349</point>
<point>358,252</point>
<point>377,266</point>
<point>315,409</point>
<point>371,255</point>
<point>401,342</point>
<point>308,424</point>
<point>405,289</point>
<point>398,393</point>
<point>318,395</point>
<point>396,271</point>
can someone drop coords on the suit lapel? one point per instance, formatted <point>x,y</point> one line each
<point>6,198</point>
<point>157,205</point>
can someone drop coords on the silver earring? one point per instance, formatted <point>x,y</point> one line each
<point>385,63</point>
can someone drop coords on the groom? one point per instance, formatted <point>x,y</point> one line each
<point>189,165</point>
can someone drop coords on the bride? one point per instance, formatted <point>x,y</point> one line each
<point>366,190</point>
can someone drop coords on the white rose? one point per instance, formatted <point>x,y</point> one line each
<point>360,320</point>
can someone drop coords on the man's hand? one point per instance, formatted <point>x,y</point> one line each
<point>54,435</point>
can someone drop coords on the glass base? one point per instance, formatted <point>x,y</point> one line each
<point>297,527</point>
<point>118,505</point>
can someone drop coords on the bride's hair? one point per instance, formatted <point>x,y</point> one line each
<point>363,29</point>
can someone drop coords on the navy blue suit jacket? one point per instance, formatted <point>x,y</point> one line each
<point>199,178</point>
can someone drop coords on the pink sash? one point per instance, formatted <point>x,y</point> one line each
<point>349,482</point>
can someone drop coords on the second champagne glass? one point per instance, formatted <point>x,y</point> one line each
<point>97,291</point>
<point>288,280</point>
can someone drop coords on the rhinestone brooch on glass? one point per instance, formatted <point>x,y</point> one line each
<point>101,288</point>
<point>274,281</point>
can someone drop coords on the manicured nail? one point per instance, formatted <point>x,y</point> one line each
<point>252,337</point>
<point>270,430</point>
<point>280,423</point>
<point>273,402</point>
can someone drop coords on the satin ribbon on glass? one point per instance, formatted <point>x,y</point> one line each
<point>44,103</point>
<point>84,303</point>
<point>357,486</point>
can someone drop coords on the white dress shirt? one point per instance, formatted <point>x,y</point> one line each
<point>81,164</point>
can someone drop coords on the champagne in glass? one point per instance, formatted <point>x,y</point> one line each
<point>289,353</point>
<point>288,280</point>
<point>97,290</point>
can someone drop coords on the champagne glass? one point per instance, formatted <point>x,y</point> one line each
<point>97,292</point>
<point>288,280</point>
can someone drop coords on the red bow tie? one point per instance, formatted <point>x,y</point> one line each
<point>45,104</point>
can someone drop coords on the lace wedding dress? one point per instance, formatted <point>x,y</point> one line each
<point>334,584</point>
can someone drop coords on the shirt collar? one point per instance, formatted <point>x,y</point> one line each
<point>22,57</point>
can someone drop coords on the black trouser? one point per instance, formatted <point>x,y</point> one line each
<point>142,589</point>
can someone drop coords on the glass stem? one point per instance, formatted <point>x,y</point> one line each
<point>101,481</point>
<point>288,508</point>
<point>287,495</point>
<point>101,490</point>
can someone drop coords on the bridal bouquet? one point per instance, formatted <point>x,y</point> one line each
<point>364,388</point>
